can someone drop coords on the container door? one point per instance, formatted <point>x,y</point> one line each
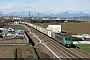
<point>49,33</point>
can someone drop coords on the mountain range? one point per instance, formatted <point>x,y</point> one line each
<point>50,13</point>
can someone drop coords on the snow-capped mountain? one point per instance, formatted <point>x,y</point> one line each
<point>49,13</point>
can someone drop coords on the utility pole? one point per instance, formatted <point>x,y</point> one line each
<point>29,13</point>
<point>29,16</point>
<point>38,15</point>
<point>87,18</point>
<point>64,24</point>
<point>0,14</point>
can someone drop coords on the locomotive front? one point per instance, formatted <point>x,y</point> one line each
<point>68,42</point>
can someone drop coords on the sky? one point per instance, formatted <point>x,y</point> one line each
<point>7,6</point>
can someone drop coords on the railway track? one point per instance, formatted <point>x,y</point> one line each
<point>61,51</point>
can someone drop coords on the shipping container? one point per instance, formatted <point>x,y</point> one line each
<point>55,28</point>
<point>86,37</point>
<point>53,34</point>
<point>89,39</point>
<point>45,31</point>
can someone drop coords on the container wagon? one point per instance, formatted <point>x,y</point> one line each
<point>64,40</point>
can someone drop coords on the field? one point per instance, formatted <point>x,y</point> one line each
<point>72,27</point>
<point>25,51</point>
<point>84,47</point>
<point>7,51</point>
<point>19,27</point>
<point>77,27</point>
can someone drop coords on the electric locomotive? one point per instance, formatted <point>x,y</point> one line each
<point>64,40</point>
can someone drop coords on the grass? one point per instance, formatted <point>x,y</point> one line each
<point>14,53</point>
<point>34,52</point>
<point>45,25</point>
<point>17,27</point>
<point>85,47</point>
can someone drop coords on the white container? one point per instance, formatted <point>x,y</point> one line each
<point>79,36</point>
<point>55,28</point>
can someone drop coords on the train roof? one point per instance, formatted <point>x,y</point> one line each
<point>65,34</point>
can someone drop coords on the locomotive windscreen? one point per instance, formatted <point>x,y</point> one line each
<point>68,39</point>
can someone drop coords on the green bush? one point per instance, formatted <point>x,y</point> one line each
<point>76,39</point>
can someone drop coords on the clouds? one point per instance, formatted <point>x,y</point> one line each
<point>63,4</point>
<point>3,6</point>
<point>21,5</point>
<point>80,5</point>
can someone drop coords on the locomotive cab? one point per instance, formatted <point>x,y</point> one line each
<point>68,42</point>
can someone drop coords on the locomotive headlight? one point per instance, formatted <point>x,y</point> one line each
<point>68,45</point>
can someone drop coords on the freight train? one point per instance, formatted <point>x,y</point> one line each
<point>60,38</point>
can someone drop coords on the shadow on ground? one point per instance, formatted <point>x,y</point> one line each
<point>30,40</point>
